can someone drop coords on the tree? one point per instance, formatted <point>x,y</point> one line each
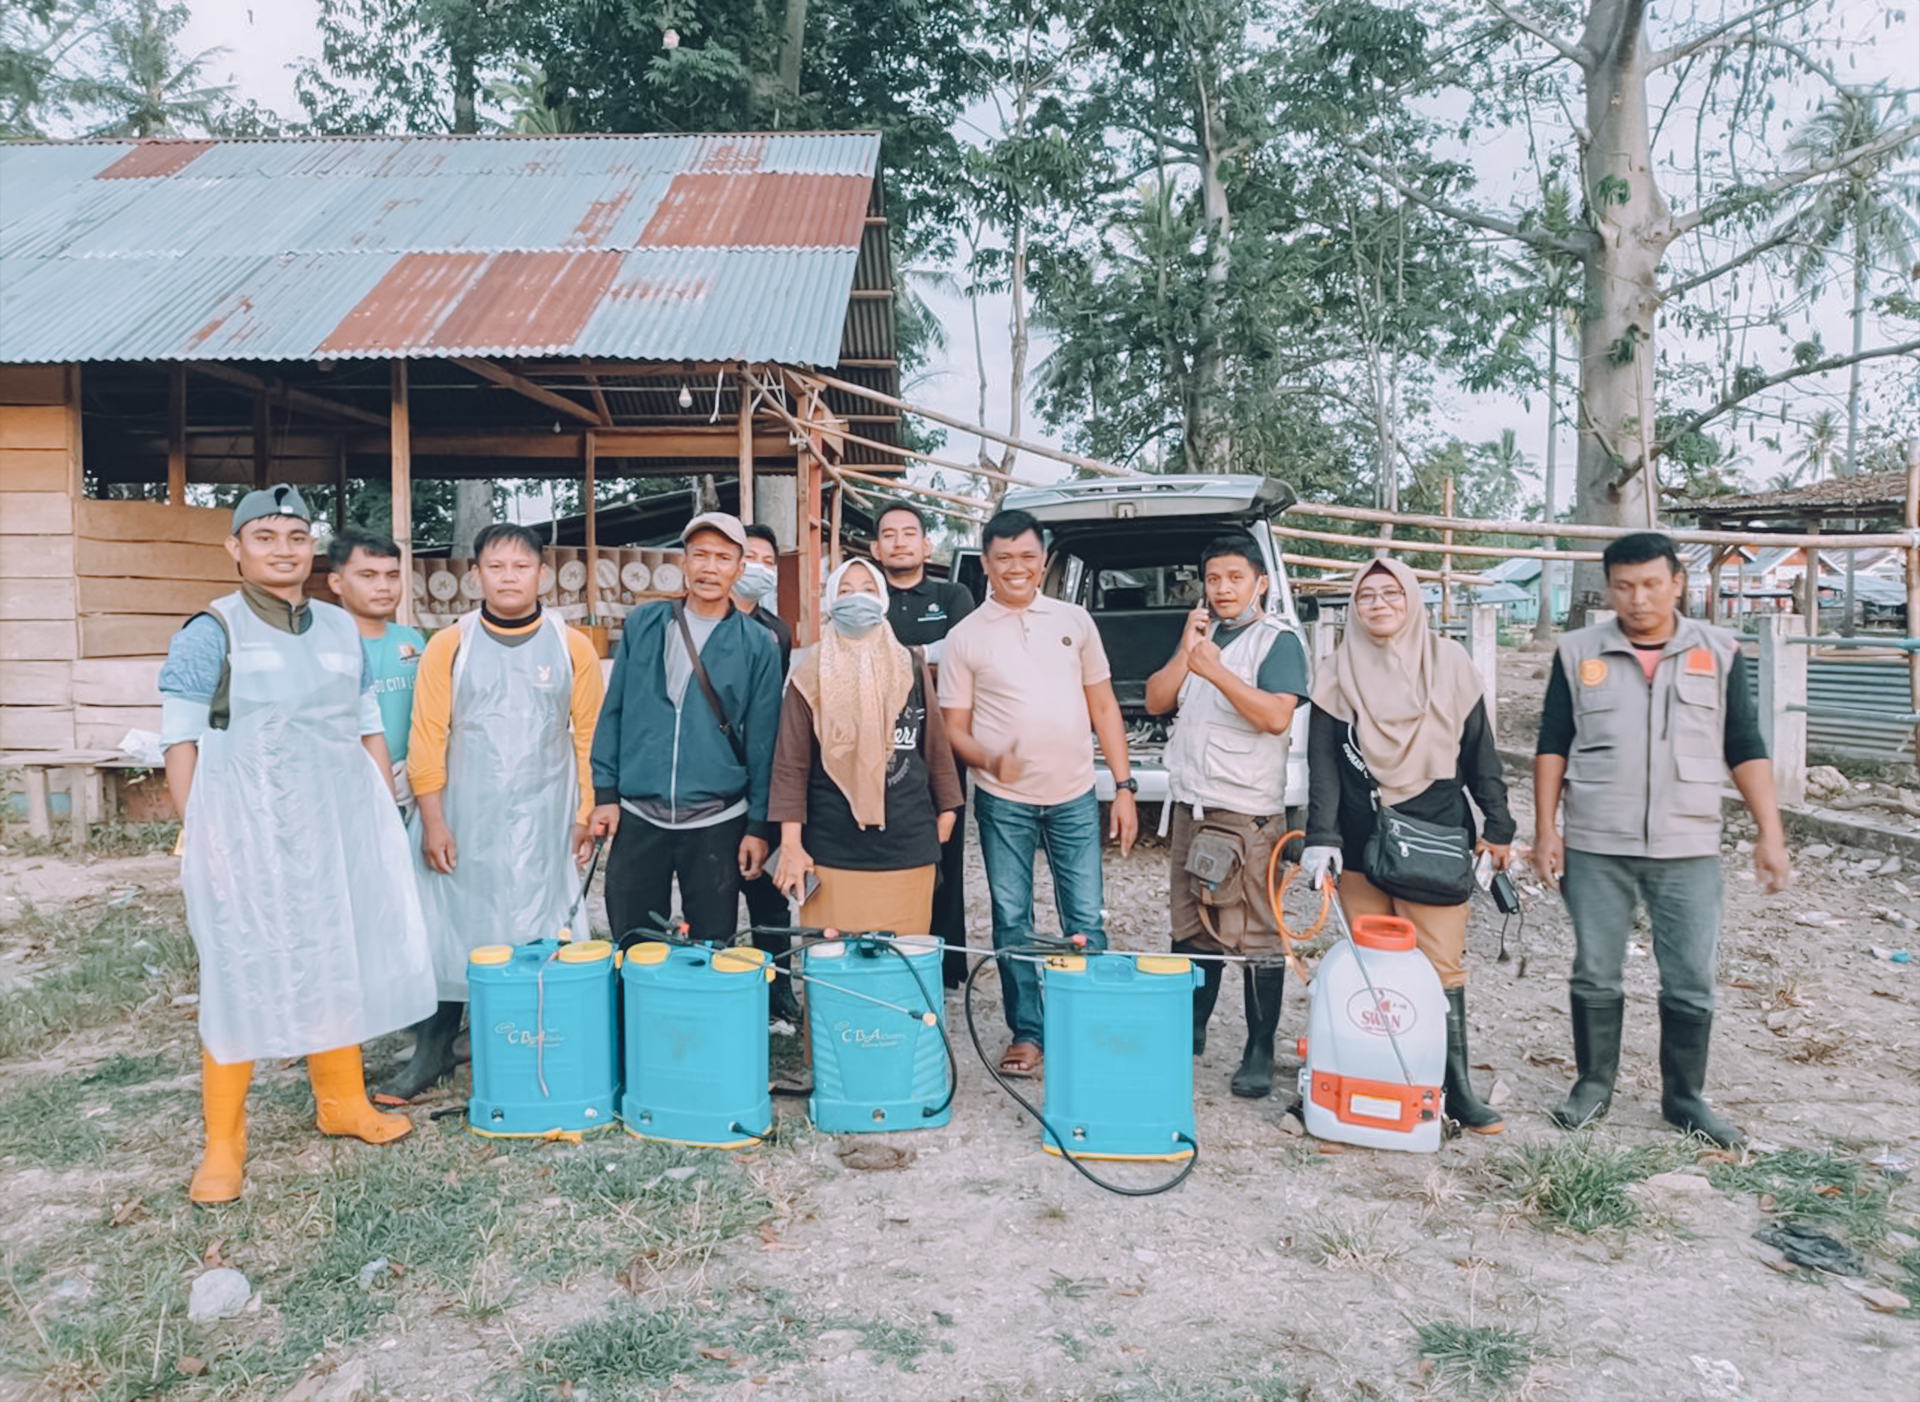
<point>39,40</point>
<point>1628,227</point>
<point>1813,459</point>
<point>143,86</point>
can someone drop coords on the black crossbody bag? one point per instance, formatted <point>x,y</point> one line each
<point>734,741</point>
<point>1413,860</point>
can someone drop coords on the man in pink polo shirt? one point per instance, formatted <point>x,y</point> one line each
<point>1025,689</point>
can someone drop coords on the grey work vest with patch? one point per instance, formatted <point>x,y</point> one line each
<point>1645,774</point>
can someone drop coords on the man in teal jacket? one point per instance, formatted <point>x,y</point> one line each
<point>680,772</point>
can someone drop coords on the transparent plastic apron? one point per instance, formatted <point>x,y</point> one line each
<point>511,798</point>
<point>296,871</point>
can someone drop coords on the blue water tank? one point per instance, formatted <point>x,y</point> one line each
<point>541,1026</point>
<point>696,1044</point>
<point>1119,1038</point>
<point>876,1014</point>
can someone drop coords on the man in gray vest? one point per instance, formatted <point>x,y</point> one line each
<point>1644,717</point>
<point>1235,678</point>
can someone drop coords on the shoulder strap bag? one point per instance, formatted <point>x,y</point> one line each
<point>734,741</point>
<point>1414,860</point>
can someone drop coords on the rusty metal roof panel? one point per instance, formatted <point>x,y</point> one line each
<point>433,246</point>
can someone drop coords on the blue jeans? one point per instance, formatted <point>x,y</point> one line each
<point>1010,834</point>
<point>1682,896</point>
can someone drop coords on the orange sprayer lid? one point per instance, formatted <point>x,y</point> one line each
<point>1382,932</point>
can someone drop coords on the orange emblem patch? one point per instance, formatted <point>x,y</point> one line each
<point>1593,671</point>
<point>1700,662</point>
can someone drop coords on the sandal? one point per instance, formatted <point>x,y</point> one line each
<point>1021,1059</point>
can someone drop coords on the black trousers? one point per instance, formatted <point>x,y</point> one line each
<point>950,897</point>
<point>645,859</point>
<point>766,906</point>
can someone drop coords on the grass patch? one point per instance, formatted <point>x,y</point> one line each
<point>1824,1188</point>
<point>1477,1359</point>
<point>1354,1244</point>
<point>113,839</point>
<point>109,1333</point>
<point>124,957</point>
<point>628,1353</point>
<point>1581,1181</point>
<point>79,1117</point>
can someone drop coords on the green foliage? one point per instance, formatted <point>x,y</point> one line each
<point>1476,1359</point>
<point>1581,1180</point>
<point>1825,1188</point>
<point>89,975</point>
<point>627,1353</point>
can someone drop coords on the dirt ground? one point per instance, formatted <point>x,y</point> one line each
<point>983,1268</point>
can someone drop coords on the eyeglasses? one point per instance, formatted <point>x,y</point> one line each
<point>1381,598</point>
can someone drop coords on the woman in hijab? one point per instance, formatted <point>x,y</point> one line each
<point>864,786</point>
<point>1401,711</point>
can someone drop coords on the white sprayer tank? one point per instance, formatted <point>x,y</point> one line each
<point>1353,1089</point>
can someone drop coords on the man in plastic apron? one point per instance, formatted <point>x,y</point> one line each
<point>504,706</point>
<point>1236,677</point>
<point>298,886</point>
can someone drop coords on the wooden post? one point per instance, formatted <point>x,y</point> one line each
<point>1783,683</point>
<point>1483,645</point>
<point>593,531</point>
<point>177,435</point>
<point>745,427</point>
<point>834,555</point>
<point>340,492</point>
<point>1716,557</point>
<point>1810,590</point>
<point>807,529</point>
<point>77,784</point>
<point>1911,519</point>
<point>39,802</point>
<point>262,439</point>
<point>1446,560</point>
<point>400,439</point>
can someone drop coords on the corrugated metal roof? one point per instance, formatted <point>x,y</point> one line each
<point>618,247</point>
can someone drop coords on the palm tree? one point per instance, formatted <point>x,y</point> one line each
<point>145,88</point>
<point>1868,211</point>
<point>1814,458</point>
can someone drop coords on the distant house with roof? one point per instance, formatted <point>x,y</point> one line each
<point>175,314</point>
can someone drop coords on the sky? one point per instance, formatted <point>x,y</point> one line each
<point>266,39</point>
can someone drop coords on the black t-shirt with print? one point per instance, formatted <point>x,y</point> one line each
<point>910,838</point>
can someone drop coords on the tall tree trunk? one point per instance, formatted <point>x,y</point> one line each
<point>1633,227</point>
<point>1543,624</point>
<point>1853,372</point>
<point>792,45</point>
<point>1017,267</point>
<point>1210,435</point>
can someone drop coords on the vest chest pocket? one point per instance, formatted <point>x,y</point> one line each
<point>1228,752</point>
<point>1696,714</point>
<point>1697,794</point>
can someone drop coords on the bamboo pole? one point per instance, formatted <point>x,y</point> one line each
<point>975,502</point>
<point>1446,560</point>
<point>400,440</point>
<point>1491,552</point>
<point>745,434</point>
<point>1912,522</point>
<point>1534,530</point>
<point>587,465</point>
<point>1349,566</point>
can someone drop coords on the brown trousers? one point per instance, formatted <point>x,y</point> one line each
<point>1440,931</point>
<point>1245,928</point>
<point>858,901</point>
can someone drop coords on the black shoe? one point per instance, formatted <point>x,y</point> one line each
<point>1463,1107</point>
<point>1684,1037</point>
<point>1206,995</point>
<point>1263,986</point>
<point>433,1039</point>
<point>1596,1055</point>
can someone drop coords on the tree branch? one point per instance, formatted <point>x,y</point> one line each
<point>1534,238</point>
<point>1560,46</point>
<point>1726,204</point>
<point>1709,38</point>
<point>1820,367</point>
<point>1739,260</point>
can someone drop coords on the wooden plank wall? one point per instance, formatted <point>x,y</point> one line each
<point>141,569</point>
<point>39,630</point>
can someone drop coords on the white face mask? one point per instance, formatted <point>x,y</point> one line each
<point>856,615</point>
<point>757,582</point>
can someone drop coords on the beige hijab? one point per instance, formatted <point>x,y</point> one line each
<point>1407,696</point>
<point>856,687</point>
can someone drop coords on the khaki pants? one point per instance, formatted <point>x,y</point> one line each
<point>858,901</point>
<point>1246,928</point>
<point>1440,931</point>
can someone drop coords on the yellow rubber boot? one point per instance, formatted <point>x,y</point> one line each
<point>340,1093</point>
<point>223,1103</point>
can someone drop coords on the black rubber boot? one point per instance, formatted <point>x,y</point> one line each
<point>1596,1055</point>
<point>1206,995</point>
<point>1463,1107</point>
<point>1684,1037</point>
<point>1263,987</point>
<point>433,1039</point>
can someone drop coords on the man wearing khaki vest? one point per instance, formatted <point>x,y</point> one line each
<point>1234,679</point>
<point>1644,717</point>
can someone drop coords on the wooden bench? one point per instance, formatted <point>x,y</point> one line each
<point>86,789</point>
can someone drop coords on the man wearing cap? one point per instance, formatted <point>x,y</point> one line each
<point>503,715</point>
<point>365,577</point>
<point>294,865</point>
<point>684,750</point>
<point>922,612</point>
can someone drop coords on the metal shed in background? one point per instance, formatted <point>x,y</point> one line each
<point>382,309</point>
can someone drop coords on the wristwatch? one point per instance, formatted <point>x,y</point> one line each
<point>1129,785</point>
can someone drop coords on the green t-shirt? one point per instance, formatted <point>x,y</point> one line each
<point>394,657</point>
